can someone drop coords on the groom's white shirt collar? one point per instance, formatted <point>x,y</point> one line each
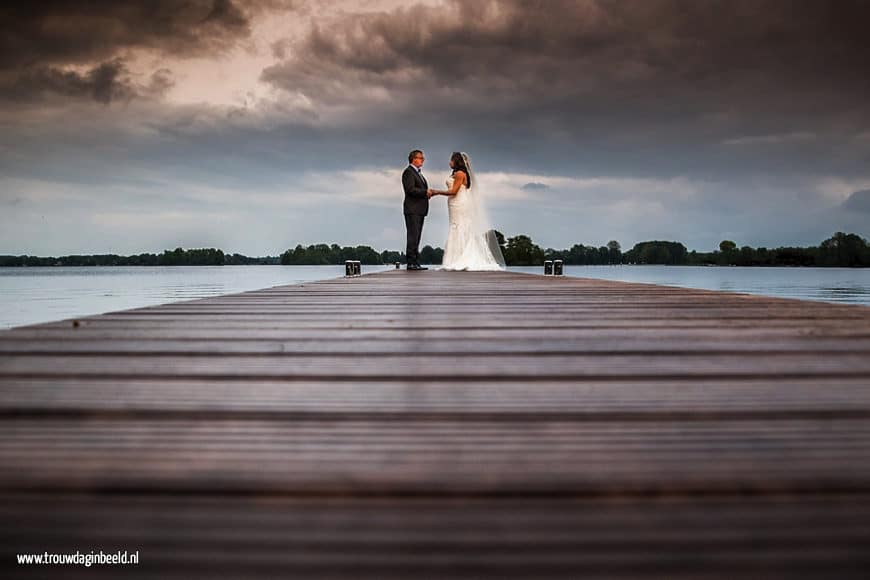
<point>415,168</point>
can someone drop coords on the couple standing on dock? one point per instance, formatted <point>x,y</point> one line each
<point>471,242</point>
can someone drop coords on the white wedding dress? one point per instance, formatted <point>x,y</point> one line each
<point>471,244</point>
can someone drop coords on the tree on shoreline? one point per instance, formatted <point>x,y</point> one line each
<point>323,254</point>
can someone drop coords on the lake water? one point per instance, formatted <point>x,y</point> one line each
<point>42,294</point>
<point>844,285</point>
<point>33,295</point>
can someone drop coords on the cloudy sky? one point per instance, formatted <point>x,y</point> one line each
<point>253,126</point>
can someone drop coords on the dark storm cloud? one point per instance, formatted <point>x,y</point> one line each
<point>74,32</point>
<point>106,82</point>
<point>548,48</point>
<point>40,39</point>
<point>659,85</point>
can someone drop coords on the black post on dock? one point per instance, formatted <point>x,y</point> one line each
<point>557,267</point>
<point>548,267</point>
<point>352,268</point>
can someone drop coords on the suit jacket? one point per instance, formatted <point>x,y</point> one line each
<point>416,200</point>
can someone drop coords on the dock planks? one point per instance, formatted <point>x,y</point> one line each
<point>444,424</point>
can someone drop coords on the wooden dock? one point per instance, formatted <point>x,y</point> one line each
<point>442,425</point>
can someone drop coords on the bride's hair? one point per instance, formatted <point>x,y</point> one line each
<point>459,163</point>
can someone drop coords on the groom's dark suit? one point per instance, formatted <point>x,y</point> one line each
<point>416,207</point>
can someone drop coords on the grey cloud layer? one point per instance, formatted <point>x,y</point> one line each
<point>859,201</point>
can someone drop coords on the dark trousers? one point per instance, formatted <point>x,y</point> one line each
<point>414,226</point>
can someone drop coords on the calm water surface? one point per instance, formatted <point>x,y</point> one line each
<point>33,295</point>
<point>43,294</point>
<point>844,285</point>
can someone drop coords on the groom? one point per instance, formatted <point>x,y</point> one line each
<point>416,206</point>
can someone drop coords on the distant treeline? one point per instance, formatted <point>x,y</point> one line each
<point>312,255</point>
<point>841,249</point>
<point>176,257</point>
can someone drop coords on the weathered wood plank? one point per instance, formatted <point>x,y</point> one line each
<point>408,323</point>
<point>444,456</point>
<point>698,399</point>
<point>649,335</point>
<point>628,344</point>
<point>441,366</point>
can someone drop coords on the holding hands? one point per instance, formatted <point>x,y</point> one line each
<point>457,179</point>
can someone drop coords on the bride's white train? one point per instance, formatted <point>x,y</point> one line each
<point>471,242</point>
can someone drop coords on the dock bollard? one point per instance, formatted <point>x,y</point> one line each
<point>398,265</point>
<point>548,267</point>
<point>352,268</point>
<point>557,267</point>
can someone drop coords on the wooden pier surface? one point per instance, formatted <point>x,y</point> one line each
<point>443,424</point>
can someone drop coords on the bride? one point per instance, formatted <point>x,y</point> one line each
<point>471,242</point>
